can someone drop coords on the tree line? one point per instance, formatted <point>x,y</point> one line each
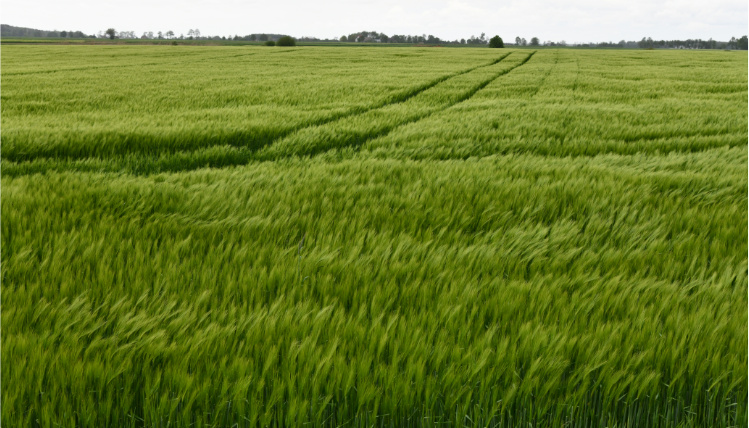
<point>11,31</point>
<point>735,43</point>
<point>192,34</point>
<point>646,43</point>
<point>376,37</point>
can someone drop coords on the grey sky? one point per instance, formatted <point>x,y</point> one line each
<point>570,20</point>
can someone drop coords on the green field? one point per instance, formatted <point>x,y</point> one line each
<point>254,237</point>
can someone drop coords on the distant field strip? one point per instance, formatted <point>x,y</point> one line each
<point>577,110</point>
<point>557,121</point>
<point>166,60</point>
<point>402,98</point>
<point>241,237</point>
<point>136,65</point>
<point>162,148</point>
<point>350,129</point>
<point>154,144</point>
<point>358,130</point>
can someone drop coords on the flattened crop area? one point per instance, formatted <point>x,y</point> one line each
<point>247,236</point>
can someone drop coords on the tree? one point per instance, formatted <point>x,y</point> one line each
<point>742,43</point>
<point>286,41</point>
<point>534,41</point>
<point>270,43</point>
<point>496,42</point>
<point>169,34</point>
<point>518,41</point>
<point>110,33</point>
<point>343,39</point>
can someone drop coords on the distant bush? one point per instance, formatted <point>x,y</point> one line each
<point>286,41</point>
<point>270,43</point>
<point>496,42</point>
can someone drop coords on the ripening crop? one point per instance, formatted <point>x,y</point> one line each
<point>380,237</point>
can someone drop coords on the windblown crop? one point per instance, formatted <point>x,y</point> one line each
<point>239,236</point>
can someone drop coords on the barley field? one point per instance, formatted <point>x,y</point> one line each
<point>373,237</point>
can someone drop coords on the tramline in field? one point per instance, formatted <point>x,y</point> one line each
<point>251,236</point>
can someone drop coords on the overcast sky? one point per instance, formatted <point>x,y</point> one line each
<point>569,20</point>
